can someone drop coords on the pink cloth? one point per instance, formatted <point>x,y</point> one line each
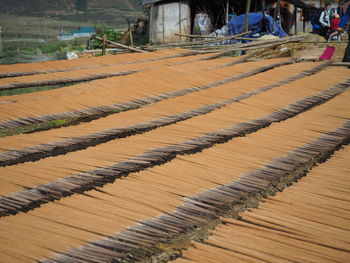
<point>328,53</point>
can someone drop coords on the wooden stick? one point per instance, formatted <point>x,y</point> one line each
<point>104,45</point>
<point>275,13</point>
<point>295,21</point>
<point>163,21</point>
<point>219,39</point>
<point>122,46</point>
<point>180,17</point>
<point>252,45</point>
<point>257,44</point>
<point>247,12</point>
<point>246,38</point>
<point>323,41</point>
<point>227,10</point>
<point>344,64</point>
<point>265,28</point>
<point>195,36</point>
<point>131,38</point>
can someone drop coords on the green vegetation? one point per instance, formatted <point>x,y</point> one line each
<point>111,34</point>
<point>36,7</point>
<point>51,46</point>
<point>30,28</point>
<point>27,50</point>
<point>35,89</point>
<point>26,90</point>
<point>35,127</point>
<point>58,123</point>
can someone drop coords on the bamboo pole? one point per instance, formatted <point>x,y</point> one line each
<point>275,13</point>
<point>265,27</point>
<point>324,41</point>
<point>247,38</point>
<point>258,44</point>
<point>131,37</point>
<point>189,44</point>
<point>218,39</point>
<point>279,11</point>
<point>151,24</point>
<point>343,64</point>
<point>295,21</point>
<point>123,46</point>
<point>180,17</point>
<point>195,36</point>
<point>227,10</point>
<point>104,45</point>
<point>252,45</point>
<point>163,18</point>
<point>247,11</point>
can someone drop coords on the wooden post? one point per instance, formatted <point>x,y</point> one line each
<point>227,10</point>
<point>180,17</point>
<point>1,40</point>
<point>277,11</point>
<point>150,24</point>
<point>263,6</point>
<point>295,21</point>
<point>256,6</point>
<point>163,18</point>
<point>247,11</point>
<point>265,27</point>
<point>131,37</point>
<point>104,45</point>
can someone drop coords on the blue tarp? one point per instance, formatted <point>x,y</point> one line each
<point>256,25</point>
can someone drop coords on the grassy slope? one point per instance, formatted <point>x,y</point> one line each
<point>32,25</point>
<point>28,19</point>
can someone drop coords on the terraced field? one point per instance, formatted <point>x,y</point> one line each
<point>174,155</point>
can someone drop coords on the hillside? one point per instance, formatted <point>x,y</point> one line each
<point>32,26</point>
<point>37,7</point>
<point>35,18</point>
<point>45,19</point>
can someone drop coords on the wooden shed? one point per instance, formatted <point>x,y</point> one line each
<point>168,18</point>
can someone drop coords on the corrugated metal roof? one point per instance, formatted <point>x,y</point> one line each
<point>149,2</point>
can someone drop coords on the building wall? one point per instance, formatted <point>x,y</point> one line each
<point>168,19</point>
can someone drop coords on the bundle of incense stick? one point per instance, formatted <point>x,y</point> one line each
<point>188,143</point>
